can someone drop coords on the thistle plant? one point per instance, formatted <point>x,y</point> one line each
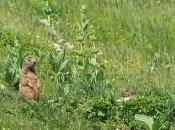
<point>11,73</point>
<point>56,55</point>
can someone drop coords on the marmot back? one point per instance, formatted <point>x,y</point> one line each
<point>29,82</point>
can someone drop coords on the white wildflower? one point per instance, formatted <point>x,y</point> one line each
<point>69,46</point>
<point>66,90</point>
<point>45,23</point>
<point>83,7</point>
<point>51,101</point>
<point>57,47</point>
<point>61,41</point>
<point>2,86</point>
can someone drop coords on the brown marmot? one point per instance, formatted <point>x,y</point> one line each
<point>128,93</point>
<point>29,82</point>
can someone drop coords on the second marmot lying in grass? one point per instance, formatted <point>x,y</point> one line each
<point>29,82</point>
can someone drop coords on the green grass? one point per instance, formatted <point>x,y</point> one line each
<point>79,88</point>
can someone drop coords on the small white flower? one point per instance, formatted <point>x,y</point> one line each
<point>66,90</point>
<point>83,7</point>
<point>152,68</point>
<point>51,101</point>
<point>37,36</point>
<point>57,47</point>
<point>45,22</point>
<point>2,86</point>
<point>61,41</point>
<point>69,46</point>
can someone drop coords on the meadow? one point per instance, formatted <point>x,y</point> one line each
<point>88,52</point>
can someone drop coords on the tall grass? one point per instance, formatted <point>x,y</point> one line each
<point>117,44</point>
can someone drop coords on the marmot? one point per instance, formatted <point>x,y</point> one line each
<point>128,93</point>
<point>29,82</point>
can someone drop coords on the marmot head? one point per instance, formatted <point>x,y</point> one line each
<point>29,64</point>
<point>128,93</point>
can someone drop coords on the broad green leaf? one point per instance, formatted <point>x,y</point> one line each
<point>158,123</point>
<point>64,64</point>
<point>147,120</point>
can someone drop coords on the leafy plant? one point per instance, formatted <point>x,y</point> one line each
<point>148,122</point>
<point>17,48</point>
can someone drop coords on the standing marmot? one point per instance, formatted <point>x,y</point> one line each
<point>29,83</point>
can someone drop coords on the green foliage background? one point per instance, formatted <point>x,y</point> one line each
<point>88,51</point>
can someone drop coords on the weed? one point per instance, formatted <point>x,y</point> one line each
<point>87,52</point>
